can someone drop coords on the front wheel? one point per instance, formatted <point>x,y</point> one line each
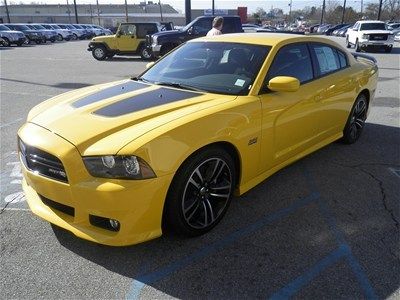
<point>200,193</point>
<point>6,42</point>
<point>99,52</point>
<point>356,121</point>
<point>59,37</point>
<point>146,53</point>
<point>348,45</point>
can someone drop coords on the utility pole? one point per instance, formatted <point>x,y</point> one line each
<point>290,12</point>
<point>362,8</point>
<point>7,12</point>
<point>76,13</point>
<point>126,11</point>
<point>344,10</point>
<point>322,13</point>
<point>98,11</point>
<point>188,11</point>
<point>91,13</point>
<point>213,7</point>
<point>69,13</point>
<point>380,9</point>
<point>159,3</point>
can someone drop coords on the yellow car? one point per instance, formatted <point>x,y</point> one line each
<point>119,162</point>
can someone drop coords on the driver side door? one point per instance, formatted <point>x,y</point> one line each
<point>200,28</point>
<point>289,119</point>
<point>126,37</point>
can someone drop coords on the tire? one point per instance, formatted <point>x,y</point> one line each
<point>74,36</point>
<point>358,49</point>
<point>388,49</point>
<point>165,49</point>
<point>6,42</point>
<point>19,44</point>
<point>348,45</point>
<point>59,37</point>
<point>196,203</point>
<point>38,42</point>
<point>146,53</point>
<point>356,120</point>
<point>99,52</point>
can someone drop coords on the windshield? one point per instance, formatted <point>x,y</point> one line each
<point>373,26</point>
<point>55,26</point>
<point>38,27</point>
<point>21,27</point>
<point>186,28</point>
<point>2,27</point>
<point>215,67</point>
<point>70,27</point>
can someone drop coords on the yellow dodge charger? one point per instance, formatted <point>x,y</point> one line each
<point>117,163</point>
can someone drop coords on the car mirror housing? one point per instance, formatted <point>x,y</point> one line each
<point>284,84</point>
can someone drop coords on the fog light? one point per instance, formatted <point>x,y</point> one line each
<point>114,224</point>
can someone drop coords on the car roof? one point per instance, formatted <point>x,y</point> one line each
<point>267,39</point>
<point>371,21</point>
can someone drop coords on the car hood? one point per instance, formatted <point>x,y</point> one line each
<point>12,32</point>
<point>103,119</point>
<point>103,38</point>
<point>168,33</point>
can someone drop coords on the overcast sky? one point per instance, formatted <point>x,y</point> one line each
<point>222,4</point>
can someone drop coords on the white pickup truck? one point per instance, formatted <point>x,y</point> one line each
<point>366,34</point>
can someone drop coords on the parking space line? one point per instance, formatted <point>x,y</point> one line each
<point>293,287</point>
<point>11,123</point>
<point>163,272</point>
<point>340,239</point>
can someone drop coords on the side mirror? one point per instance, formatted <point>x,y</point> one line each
<point>284,84</point>
<point>190,31</point>
<point>150,64</point>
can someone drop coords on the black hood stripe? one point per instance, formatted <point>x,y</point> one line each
<point>145,100</point>
<point>119,89</point>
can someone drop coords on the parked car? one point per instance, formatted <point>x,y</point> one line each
<point>323,28</point>
<point>33,35</point>
<point>370,34</point>
<point>168,150</point>
<point>104,31</point>
<point>331,29</point>
<point>62,34</point>
<point>250,27</point>
<point>130,39</point>
<point>393,26</point>
<point>91,31</point>
<point>342,31</point>
<point>162,42</point>
<point>50,35</point>
<point>77,33</point>
<point>11,37</point>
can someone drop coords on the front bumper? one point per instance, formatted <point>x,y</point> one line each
<point>369,43</point>
<point>137,205</point>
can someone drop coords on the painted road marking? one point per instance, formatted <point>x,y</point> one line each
<point>11,123</point>
<point>165,271</point>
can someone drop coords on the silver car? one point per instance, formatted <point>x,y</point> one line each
<point>11,37</point>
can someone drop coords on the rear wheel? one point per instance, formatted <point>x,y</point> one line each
<point>200,193</point>
<point>19,44</point>
<point>358,48</point>
<point>99,52</point>
<point>74,36</point>
<point>348,45</point>
<point>59,37</point>
<point>6,42</point>
<point>388,49</point>
<point>356,121</point>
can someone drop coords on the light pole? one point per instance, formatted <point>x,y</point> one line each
<point>76,12</point>
<point>290,11</point>
<point>159,3</point>
<point>98,11</point>
<point>69,13</point>
<point>380,9</point>
<point>7,12</point>
<point>322,13</point>
<point>344,10</point>
<point>188,11</point>
<point>213,7</point>
<point>126,11</point>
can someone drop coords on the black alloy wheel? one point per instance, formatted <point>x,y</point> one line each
<point>356,121</point>
<point>200,193</point>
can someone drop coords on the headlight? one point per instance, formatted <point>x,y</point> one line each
<point>365,36</point>
<point>154,40</point>
<point>118,167</point>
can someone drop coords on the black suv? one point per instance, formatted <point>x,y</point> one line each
<point>164,41</point>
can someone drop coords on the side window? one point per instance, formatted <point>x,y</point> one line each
<point>292,60</point>
<point>342,59</point>
<point>202,26</point>
<point>229,26</point>
<point>127,29</point>
<point>145,29</point>
<point>327,59</point>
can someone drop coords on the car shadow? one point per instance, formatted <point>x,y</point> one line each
<point>123,58</point>
<point>275,235</point>
<point>61,85</point>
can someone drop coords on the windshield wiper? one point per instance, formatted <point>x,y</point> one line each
<point>180,86</point>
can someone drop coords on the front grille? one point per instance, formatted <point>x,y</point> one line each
<point>41,162</point>
<point>69,210</point>
<point>378,37</point>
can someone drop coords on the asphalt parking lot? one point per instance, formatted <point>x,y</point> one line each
<point>324,227</point>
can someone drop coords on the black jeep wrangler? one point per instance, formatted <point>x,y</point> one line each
<point>162,42</point>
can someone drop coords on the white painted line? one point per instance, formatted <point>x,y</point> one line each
<point>10,123</point>
<point>28,94</point>
<point>17,209</point>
